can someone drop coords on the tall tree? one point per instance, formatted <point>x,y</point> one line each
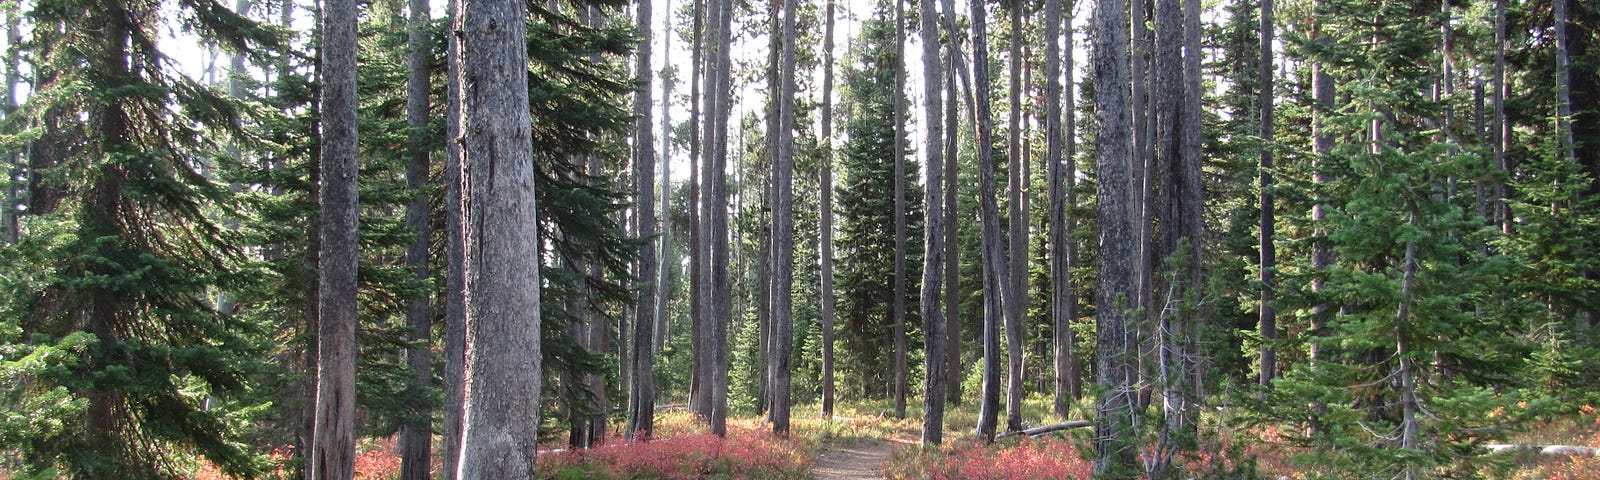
<point>1321,147</point>
<point>501,409</point>
<point>699,119</point>
<point>1018,250</point>
<point>455,264</point>
<point>1269,256</point>
<point>715,207</point>
<point>825,213</point>
<point>1563,82</point>
<point>1061,308</point>
<point>642,392</point>
<point>933,327</point>
<point>333,448</point>
<point>900,210</point>
<point>1115,442</point>
<point>416,436</point>
<point>995,272</point>
<point>783,231</point>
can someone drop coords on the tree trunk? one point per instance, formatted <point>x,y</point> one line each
<point>1269,255</point>
<point>455,283</point>
<point>1115,441</point>
<point>416,436</point>
<point>333,440</point>
<point>1060,278</point>
<point>1191,197</point>
<point>825,221</point>
<point>1563,83</point>
<point>642,395</point>
<point>664,278</point>
<point>716,212</point>
<point>1502,128</point>
<point>1321,147</point>
<point>9,228</point>
<point>783,232</point>
<point>1017,252</point>
<point>900,211</point>
<point>700,378</point>
<point>996,275</point>
<point>500,433</point>
<point>933,327</point>
<point>1074,364</point>
<point>952,226</point>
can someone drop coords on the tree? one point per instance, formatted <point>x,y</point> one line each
<point>825,207</point>
<point>1063,304</point>
<point>996,288</point>
<point>1115,442</point>
<point>642,396</point>
<point>1018,250</point>
<point>900,181</point>
<point>783,231</point>
<point>501,409</point>
<point>933,328</point>
<point>714,208</point>
<point>93,273</point>
<point>455,277</point>
<point>333,448</point>
<point>1268,265</point>
<point>416,437</point>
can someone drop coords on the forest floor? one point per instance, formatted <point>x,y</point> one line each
<point>854,458</point>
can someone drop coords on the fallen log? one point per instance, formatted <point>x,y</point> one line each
<point>1568,450</point>
<point>1041,430</point>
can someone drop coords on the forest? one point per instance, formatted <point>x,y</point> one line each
<point>510,239</point>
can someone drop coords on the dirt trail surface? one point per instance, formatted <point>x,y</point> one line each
<point>854,459</point>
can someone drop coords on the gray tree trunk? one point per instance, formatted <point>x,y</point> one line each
<point>333,445</point>
<point>952,223</point>
<point>1563,83</point>
<point>1017,252</point>
<point>1321,146</point>
<point>664,274</point>
<point>1191,197</point>
<point>501,408</point>
<point>1502,128</point>
<point>996,272</point>
<point>700,378</point>
<point>1116,444</point>
<point>455,279</point>
<point>900,211</point>
<point>642,394</point>
<point>1060,278</point>
<point>416,436</point>
<point>9,228</point>
<point>933,327</point>
<point>1068,343</point>
<point>825,221</point>
<point>715,206</point>
<point>1269,255</point>
<point>783,232</point>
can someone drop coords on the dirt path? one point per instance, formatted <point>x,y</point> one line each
<point>856,459</point>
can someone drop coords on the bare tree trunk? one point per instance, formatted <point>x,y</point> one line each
<point>1191,181</point>
<point>783,232</point>
<point>1408,382</point>
<point>500,429</point>
<point>333,440</point>
<point>933,327</point>
<point>825,222</point>
<point>1167,93</point>
<point>1321,146</point>
<point>996,275</point>
<point>1115,442</point>
<point>952,226</point>
<point>664,278</point>
<point>1074,364</point>
<point>1502,128</point>
<point>9,228</point>
<point>1060,278</point>
<point>1563,83</point>
<point>715,212</point>
<point>900,211</point>
<point>1269,256</point>
<point>1017,252</point>
<point>455,283</point>
<point>416,436</point>
<point>642,395</point>
<point>700,380</point>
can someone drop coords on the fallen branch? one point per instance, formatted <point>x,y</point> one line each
<point>1569,450</point>
<point>1037,431</point>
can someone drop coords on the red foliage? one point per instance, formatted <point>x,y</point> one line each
<point>692,456</point>
<point>1030,459</point>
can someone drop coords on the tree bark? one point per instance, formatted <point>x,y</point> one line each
<point>1017,252</point>
<point>1502,128</point>
<point>455,283</point>
<point>783,231</point>
<point>1074,363</point>
<point>952,225</point>
<point>933,327</point>
<point>900,211</point>
<point>501,410</point>
<point>996,272</point>
<point>664,277</point>
<point>1115,442</point>
<point>700,378</point>
<point>416,436</point>
<point>1269,256</point>
<point>642,394</point>
<point>333,439</point>
<point>825,221</point>
<point>1061,281</point>
<point>1563,83</point>
<point>716,211</point>
<point>1321,147</point>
